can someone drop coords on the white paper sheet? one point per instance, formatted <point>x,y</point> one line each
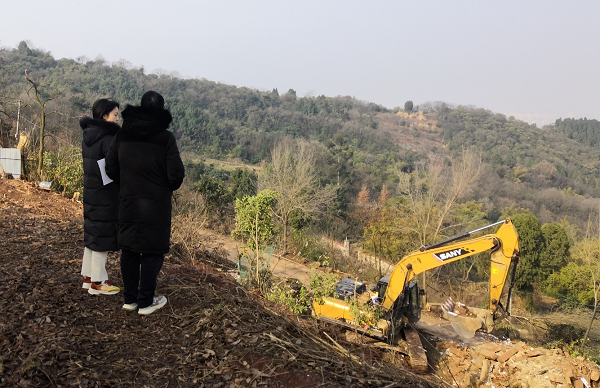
<point>105,179</point>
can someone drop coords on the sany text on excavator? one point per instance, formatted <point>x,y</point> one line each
<point>399,295</point>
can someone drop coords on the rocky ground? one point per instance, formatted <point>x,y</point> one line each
<point>505,364</point>
<point>489,360</point>
<point>212,333</point>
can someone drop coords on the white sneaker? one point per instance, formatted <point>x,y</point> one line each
<point>157,303</point>
<point>130,306</point>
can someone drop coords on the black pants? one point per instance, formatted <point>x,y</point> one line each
<point>140,271</point>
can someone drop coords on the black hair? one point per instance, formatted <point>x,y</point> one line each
<point>152,100</point>
<point>103,107</point>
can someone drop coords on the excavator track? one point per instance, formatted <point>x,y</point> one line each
<point>411,348</point>
<point>416,352</point>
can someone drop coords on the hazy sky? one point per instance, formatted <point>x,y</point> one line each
<point>535,60</point>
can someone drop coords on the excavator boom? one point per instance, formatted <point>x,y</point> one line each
<point>504,245</point>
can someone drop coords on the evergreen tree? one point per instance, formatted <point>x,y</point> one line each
<point>557,253</point>
<point>531,244</point>
<point>243,183</point>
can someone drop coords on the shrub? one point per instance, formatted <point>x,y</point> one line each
<point>308,247</point>
<point>298,301</point>
<point>322,285</point>
<point>365,314</point>
<point>65,169</point>
<point>188,235</point>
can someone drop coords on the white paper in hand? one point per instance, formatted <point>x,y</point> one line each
<point>105,179</point>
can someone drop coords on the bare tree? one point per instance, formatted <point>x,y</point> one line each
<point>3,83</point>
<point>41,99</point>
<point>291,173</point>
<point>432,193</point>
<point>588,251</point>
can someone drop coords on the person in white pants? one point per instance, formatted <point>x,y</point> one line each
<point>100,197</point>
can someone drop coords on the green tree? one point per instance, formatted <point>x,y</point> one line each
<point>214,193</point>
<point>243,183</point>
<point>254,224</point>
<point>468,214</point>
<point>322,285</point>
<point>408,106</point>
<point>23,48</point>
<point>531,244</point>
<point>383,234</point>
<point>557,253</point>
<point>570,285</point>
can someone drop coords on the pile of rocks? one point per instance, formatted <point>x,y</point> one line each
<point>506,364</point>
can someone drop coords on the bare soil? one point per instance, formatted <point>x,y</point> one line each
<point>212,333</point>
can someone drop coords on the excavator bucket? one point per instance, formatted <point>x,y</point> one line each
<point>466,327</point>
<point>466,321</point>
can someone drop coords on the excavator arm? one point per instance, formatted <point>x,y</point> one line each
<point>504,245</point>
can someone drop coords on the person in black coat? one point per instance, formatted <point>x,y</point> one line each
<point>144,159</point>
<point>100,197</point>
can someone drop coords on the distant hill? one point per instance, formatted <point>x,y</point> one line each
<point>552,171</point>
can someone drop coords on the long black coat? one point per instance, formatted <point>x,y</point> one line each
<point>145,159</point>
<point>100,202</point>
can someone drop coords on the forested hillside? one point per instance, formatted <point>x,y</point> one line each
<point>542,170</point>
<point>550,171</point>
<point>583,130</point>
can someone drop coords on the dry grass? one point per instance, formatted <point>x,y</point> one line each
<point>190,242</point>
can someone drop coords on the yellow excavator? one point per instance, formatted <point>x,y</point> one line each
<point>397,297</point>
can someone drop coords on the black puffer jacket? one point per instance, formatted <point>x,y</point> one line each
<point>100,202</point>
<point>145,159</point>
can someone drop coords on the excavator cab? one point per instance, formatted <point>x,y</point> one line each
<point>382,286</point>
<point>412,302</point>
<point>409,302</point>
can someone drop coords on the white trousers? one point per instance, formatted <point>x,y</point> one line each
<point>94,265</point>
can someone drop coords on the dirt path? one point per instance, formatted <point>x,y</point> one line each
<point>279,265</point>
<point>284,268</point>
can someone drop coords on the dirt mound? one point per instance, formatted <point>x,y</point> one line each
<point>212,333</point>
